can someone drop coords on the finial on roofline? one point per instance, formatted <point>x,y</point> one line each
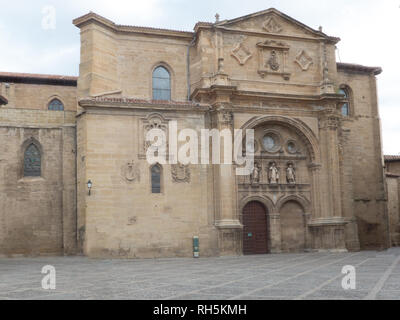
<point>217,16</point>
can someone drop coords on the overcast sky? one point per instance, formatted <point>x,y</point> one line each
<point>369,30</point>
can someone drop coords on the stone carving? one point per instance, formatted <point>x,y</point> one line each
<point>131,172</point>
<point>270,25</point>
<point>241,53</point>
<point>180,173</point>
<point>226,117</point>
<point>304,60</point>
<point>255,175</point>
<point>221,65</point>
<point>154,121</point>
<point>273,62</point>
<point>273,174</point>
<point>291,174</point>
<point>273,57</point>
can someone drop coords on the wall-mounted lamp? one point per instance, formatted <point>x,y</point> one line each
<point>89,185</point>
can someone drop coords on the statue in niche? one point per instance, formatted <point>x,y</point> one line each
<point>255,176</point>
<point>273,174</point>
<point>291,174</point>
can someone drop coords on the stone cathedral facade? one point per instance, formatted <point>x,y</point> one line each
<point>318,181</point>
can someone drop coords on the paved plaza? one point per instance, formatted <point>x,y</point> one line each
<point>309,276</point>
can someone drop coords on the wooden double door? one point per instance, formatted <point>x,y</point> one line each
<point>255,231</point>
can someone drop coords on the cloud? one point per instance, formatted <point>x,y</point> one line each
<point>368,29</point>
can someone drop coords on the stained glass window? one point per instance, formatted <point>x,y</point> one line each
<point>32,162</point>
<point>156,179</point>
<point>56,105</point>
<point>161,84</point>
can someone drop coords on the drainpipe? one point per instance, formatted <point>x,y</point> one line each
<point>188,65</point>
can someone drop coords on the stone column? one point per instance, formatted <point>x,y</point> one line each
<point>328,225</point>
<point>69,190</point>
<point>227,218</point>
<point>274,225</point>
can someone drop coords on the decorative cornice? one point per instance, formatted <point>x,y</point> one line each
<point>278,13</point>
<point>95,18</point>
<point>30,78</point>
<point>131,103</point>
<point>357,68</point>
<point>333,221</point>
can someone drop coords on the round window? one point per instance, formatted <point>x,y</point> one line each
<point>271,142</point>
<point>292,147</point>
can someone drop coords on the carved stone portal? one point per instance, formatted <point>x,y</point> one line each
<point>180,173</point>
<point>273,58</point>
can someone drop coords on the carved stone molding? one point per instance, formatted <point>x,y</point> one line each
<point>270,25</point>
<point>241,53</point>
<point>130,172</point>
<point>304,60</point>
<point>273,57</point>
<point>152,121</point>
<point>180,173</point>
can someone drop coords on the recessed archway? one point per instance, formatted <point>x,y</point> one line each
<point>293,227</point>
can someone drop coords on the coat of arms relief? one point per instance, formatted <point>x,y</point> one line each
<point>273,58</point>
<point>131,172</point>
<point>180,173</point>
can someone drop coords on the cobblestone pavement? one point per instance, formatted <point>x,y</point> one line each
<point>267,277</point>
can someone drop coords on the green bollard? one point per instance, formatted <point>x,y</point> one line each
<point>196,247</point>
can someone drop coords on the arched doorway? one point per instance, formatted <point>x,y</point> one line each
<point>255,234</point>
<point>293,229</point>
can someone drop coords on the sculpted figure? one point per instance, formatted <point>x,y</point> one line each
<point>291,174</point>
<point>273,174</point>
<point>255,176</point>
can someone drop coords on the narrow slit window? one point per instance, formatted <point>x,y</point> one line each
<point>156,179</point>
<point>345,107</point>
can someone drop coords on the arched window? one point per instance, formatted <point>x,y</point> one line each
<point>56,105</point>
<point>346,106</point>
<point>156,179</point>
<point>161,84</point>
<point>32,161</point>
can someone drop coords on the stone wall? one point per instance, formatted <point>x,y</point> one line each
<point>363,180</point>
<point>393,187</point>
<point>37,214</point>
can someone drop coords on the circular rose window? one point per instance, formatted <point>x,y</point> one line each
<point>271,142</point>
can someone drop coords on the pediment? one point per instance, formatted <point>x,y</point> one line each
<point>272,21</point>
